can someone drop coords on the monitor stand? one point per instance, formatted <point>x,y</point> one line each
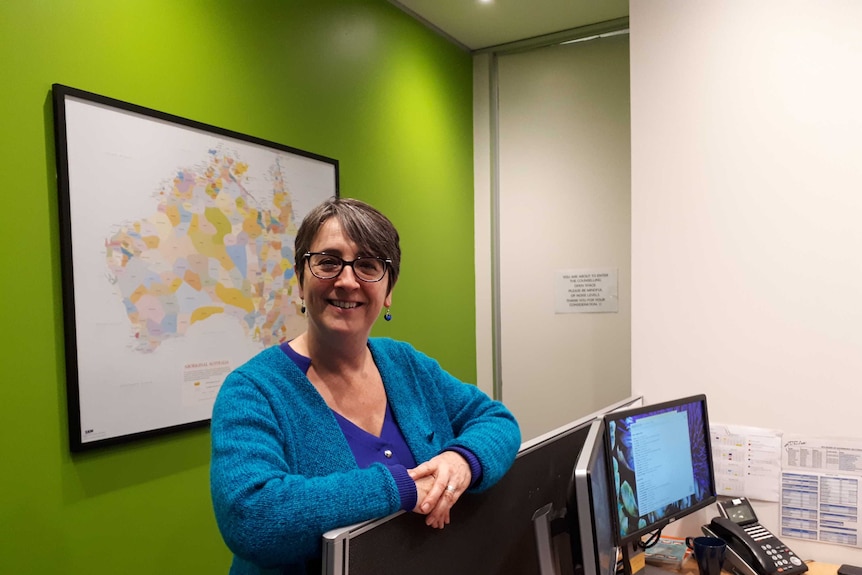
<point>542,532</point>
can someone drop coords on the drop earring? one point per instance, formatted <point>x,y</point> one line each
<point>388,316</point>
<point>302,309</point>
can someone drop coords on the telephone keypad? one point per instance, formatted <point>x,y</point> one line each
<point>781,555</point>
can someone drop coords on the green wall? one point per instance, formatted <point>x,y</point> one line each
<point>356,80</point>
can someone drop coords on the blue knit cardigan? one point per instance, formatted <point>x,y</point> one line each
<point>282,473</point>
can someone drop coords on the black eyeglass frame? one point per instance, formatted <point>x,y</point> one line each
<point>345,263</point>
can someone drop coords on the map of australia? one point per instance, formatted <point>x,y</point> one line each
<point>208,248</point>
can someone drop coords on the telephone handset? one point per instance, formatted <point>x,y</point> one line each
<point>751,548</point>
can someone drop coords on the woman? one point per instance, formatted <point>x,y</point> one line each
<point>334,427</point>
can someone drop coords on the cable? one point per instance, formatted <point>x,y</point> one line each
<point>651,540</point>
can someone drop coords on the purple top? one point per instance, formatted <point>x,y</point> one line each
<point>389,449</point>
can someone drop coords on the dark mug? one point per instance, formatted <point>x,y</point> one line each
<point>709,553</point>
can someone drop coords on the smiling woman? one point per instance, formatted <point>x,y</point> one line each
<point>334,427</point>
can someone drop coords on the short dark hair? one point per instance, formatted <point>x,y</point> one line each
<point>366,226</point>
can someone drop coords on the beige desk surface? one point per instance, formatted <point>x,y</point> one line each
<point>817,568</point>
<point>814,568</point>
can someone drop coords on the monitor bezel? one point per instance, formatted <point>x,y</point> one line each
<point>581,503</point>
<point>637,535</point>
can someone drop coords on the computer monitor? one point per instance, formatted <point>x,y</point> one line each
<point>509,529</point>
<point>491,532</point>
<point>589,514</point>
<point>661,465</point>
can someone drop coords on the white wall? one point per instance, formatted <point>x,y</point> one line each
<point>747,215</point>
<point>564,203</point>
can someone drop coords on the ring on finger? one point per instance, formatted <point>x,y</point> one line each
<point>450,489</point>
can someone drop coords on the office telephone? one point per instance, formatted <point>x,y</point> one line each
<point>751,548</point>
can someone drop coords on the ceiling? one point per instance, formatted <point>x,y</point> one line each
<point>477,24</point>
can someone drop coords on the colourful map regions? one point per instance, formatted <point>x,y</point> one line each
<point>208,248</point>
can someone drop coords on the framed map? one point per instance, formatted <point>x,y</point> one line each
<point>177,260</point>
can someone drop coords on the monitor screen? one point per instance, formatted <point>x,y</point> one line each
<point>594,549</point>
<point>661,465</point>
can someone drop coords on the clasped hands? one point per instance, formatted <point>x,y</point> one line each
<point>440,481</point>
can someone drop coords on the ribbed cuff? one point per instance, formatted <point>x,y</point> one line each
<point>406,487</point>
<point>472,461</point>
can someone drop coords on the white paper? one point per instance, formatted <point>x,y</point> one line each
<point>586,291</point>
<point>747,461</point>
<point>820,498</point>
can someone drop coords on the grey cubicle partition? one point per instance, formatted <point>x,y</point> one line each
<point>491,533</point>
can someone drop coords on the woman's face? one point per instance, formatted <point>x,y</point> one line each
<point>344,305</point>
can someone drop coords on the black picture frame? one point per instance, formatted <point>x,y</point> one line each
<point>176,244</point>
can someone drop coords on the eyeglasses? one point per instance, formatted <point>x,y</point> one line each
<point>326,266</point>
